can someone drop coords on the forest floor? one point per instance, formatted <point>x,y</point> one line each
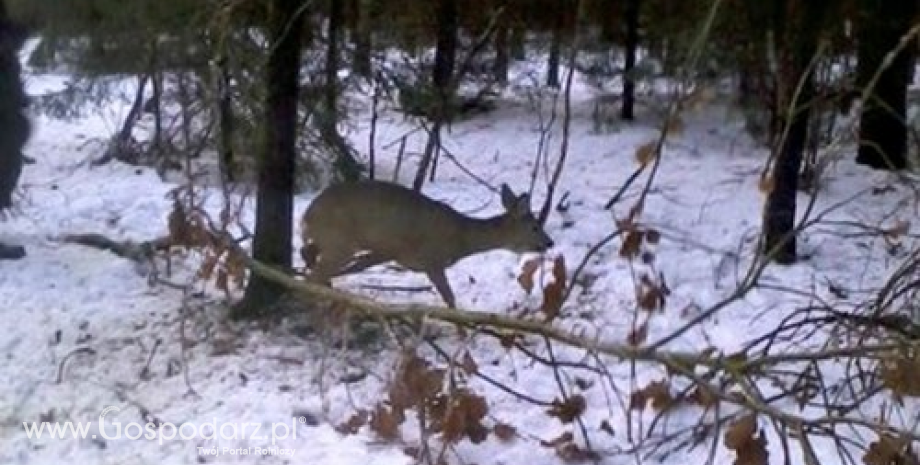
<point>86,330</point>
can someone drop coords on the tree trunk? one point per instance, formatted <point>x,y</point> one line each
<point>446,52</point>
<point>629,64</point>
<point>275,198</point>
<point>347,168</point>
<point>610,27</point>
<point>441,78</point>
<point>502,55</point>
<point>363,40</point>
<point>333,39</point>
<point>14,125</point>
<point>225,121</point>
<point>779,214</point>
<point>555,46</point>
<point>518,46</point>
<point>882,130</point>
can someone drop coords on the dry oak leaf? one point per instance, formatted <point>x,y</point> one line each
<point>570,409</point>
<point>889,450</point>
<point>638,336</point>
<point>631,244</point>
<point>504,432</point>
<point>658,392</point>
<point>899,373</point>
<point>646,152</point>
<point>749,449</point>
<point>704,397</point>
<point>528,269</point>
<point>554,292</point>
<point>354,423</point>
<point>385,422</point>
<point>468,364</point>
<point>463,418</point>
<point>568,451</point>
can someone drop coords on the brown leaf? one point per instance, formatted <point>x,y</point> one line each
<point>657,392</point>
<point>474,405</point>
<point>453,425</point>
<point>572,453</point>
<point>638,335</point>
<point>507,340</point>
<point>504,432</point>
<point>568,451</point>
<point>399,396</point>
<point>422,381</point>
<point>569,409</point>
<point>635,211</point>
<point>554,292</point>
<point>749,449</point>
<point>415,384</point>
<point>354,423</point>
<point>753,453</point>
<point>704,397</point>
<point>464,418</point>
<point>638,400</point>
<point>899,374</point>
<point>645,153</point>
<point>526,278</point>
<point>468,365</point>
<point>385,423</point>
<point>208,264</point>
<point>562,439</point>
<point>887,450</point>
<point>675,126</point>
<point>631,245</point>
<point>741,432</point>
<point>222,281</point>
<point>559,270</point>
<point>178,225</point>
<point>477,432</point>
<point>651,296</point>
<point>900,228</point>
<point>236,268</point>
<point>660,394</point>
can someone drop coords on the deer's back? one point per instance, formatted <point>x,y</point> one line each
<point>385,218</point>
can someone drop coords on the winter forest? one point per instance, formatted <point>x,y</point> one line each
<point>492,232</point>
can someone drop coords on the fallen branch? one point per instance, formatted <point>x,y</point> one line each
<point>134,251</point>
<point>467,318</point>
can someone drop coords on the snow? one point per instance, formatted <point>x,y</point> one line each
<point>64,299</point>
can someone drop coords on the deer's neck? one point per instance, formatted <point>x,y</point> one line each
<point>481,235</point>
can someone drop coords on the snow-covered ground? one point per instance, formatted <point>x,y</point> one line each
<point>85,331</point>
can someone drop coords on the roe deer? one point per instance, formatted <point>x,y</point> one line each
<point>353,226</point>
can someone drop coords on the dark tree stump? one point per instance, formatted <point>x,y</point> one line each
<point>14,124</point>
<point>11,252</point>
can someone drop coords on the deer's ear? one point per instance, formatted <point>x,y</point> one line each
<point>523,204</point>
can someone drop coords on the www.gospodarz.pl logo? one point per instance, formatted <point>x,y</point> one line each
<point>111,429</point>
